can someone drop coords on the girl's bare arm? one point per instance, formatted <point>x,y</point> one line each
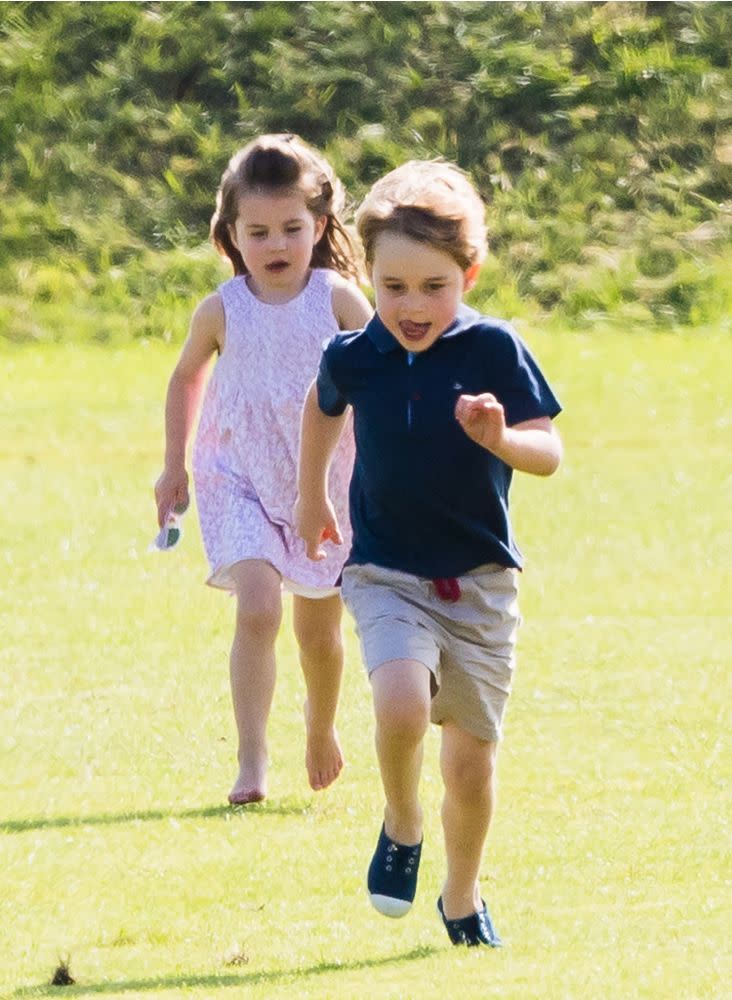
<point>185,388</point>
<point>351,307</point>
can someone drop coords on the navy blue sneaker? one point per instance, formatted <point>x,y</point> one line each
<point>474,930</point>
<point>392,879</point>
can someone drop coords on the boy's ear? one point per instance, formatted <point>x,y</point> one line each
<point>232,236</point>
<point>470,277</point>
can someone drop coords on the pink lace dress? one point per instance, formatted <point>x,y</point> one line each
<point>246,448</point>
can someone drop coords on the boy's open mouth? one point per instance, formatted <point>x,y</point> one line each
<point>414,331</point>
<point>277,265</point>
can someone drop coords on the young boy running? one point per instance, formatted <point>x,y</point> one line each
<point>446,404</point>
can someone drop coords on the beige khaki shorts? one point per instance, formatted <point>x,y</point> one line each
<point>468,646</point>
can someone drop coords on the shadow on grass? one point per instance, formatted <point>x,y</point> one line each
<point>282,807</point>
<point>226,980</point>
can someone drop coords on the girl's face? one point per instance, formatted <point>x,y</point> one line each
<point>418,289</point>
<point>275,234</point>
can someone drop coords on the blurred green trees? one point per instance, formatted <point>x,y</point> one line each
<point>599,133</point>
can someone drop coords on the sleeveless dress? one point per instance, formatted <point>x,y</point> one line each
<point>246,448</point>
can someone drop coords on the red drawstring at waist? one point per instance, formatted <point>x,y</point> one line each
<point>448,588</point>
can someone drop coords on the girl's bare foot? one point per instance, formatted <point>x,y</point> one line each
<point>251,784</point>
<point>323,754</point>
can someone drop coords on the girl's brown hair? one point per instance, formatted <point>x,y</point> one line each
<point>275,164</point>
<point>430,201</point>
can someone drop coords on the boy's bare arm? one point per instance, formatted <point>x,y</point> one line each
<point>532,446</point>
<point>315,519</point>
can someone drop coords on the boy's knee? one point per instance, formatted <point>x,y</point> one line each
<point>469,777</point>
<point>407,720</point>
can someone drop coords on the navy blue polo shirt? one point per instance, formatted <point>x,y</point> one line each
<point>424,497</point>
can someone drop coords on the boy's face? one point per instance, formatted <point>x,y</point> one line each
<point>418,289</point>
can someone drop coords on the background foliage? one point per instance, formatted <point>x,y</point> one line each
<point>600,134</point>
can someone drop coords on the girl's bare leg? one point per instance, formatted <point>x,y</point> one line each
<point>468,771</point>
<point>253,671</point>
<point>317,625</point>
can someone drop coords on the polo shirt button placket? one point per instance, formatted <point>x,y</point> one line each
<point>412,394</point>
<point>414,397</point>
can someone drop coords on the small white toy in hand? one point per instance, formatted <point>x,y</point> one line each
<point>171,531</point>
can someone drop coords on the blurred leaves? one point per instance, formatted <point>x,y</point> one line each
<point>599,133</point>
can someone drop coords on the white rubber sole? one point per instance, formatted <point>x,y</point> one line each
<point>388,906</point>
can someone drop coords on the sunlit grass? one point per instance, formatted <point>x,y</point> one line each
<point>608,867</point>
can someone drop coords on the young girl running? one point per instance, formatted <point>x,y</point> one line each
<point>277,221</point>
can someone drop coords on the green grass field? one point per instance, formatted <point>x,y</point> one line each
<point>607,869</point>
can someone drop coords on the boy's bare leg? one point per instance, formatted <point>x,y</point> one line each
<point>401,690</point>
<point>317,626</point>
<point>253,672</point>
<point>468,771</point>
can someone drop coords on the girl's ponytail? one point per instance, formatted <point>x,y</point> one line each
<point>221,239</point>
<point>335,250</point>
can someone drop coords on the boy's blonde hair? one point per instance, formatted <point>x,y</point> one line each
<point>430,201</point>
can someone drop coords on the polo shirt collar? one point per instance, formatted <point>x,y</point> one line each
<point>385,341</point>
